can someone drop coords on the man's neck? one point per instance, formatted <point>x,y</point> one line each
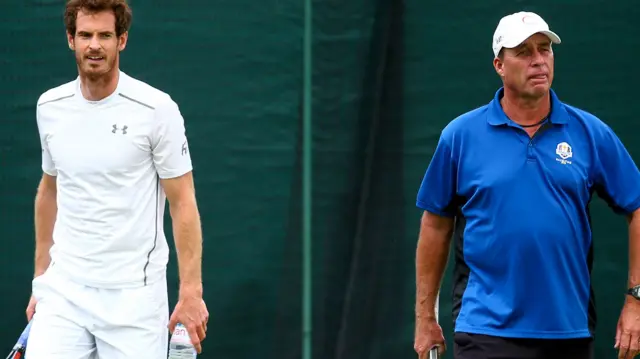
<point>525,111</point>
<point>98,88</point>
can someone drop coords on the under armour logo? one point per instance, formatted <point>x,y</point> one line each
<point>116,129</point>
<point>184,148</point>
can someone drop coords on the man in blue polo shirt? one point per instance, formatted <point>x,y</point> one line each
<point>511,182</point>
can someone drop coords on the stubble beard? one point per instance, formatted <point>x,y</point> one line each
<point>95,74</point>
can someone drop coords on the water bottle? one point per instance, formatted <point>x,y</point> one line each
<point>180,346</point>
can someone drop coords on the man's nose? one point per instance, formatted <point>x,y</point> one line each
<point>537,58</point>
<point>94,44</point>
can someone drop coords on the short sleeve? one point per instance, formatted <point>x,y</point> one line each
<point>437,190</point>
<point>617,177</point>
<point>47,164</point>
<point>169,145</point>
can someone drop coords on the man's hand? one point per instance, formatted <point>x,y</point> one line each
<point>31,308</point>
<point>628,331</point>
<point>428,335</point>
<point>191,311</point>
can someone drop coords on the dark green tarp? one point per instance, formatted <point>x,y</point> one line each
<point>388,75</point>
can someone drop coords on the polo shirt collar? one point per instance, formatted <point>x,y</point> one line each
<point>497,117</point>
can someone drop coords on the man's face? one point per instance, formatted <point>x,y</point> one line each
<point>96,44</point>
<point>527,70</point>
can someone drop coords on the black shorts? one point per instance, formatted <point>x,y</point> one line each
<point>477,346</point>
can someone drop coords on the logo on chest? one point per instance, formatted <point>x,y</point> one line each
<point>564,151</point>
<point>122,130</point>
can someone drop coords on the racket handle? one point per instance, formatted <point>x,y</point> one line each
<point>433,353</point>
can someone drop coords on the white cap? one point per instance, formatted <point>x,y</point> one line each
<point>514,29</point>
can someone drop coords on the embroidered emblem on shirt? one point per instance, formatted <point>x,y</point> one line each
<point>563,150</point>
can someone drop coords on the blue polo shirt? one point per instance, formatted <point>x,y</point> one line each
<point>523,240</point>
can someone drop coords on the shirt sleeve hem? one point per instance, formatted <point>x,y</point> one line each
<point>633,206</point>
<point>52,173</point>
<point>174,174</point>
<point>434,210</point>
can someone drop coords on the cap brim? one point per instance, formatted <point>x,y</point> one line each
<point>550,34</point>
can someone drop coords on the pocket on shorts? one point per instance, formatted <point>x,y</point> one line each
<point>462,339</point>
<point>140,307</point>
<point>39,286</point>
<point>465,344</point>
<point>153,302</point>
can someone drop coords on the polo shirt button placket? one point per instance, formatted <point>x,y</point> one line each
<point>530,155</point>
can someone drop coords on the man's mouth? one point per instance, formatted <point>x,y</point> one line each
<point>95,58</point>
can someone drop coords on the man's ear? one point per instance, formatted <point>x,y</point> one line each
<point>72,45</point>
<point>498,65</point>
<point>122,41</point>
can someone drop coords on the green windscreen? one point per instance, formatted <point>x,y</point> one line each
<point>387,77</point>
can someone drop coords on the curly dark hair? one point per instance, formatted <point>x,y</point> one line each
<point>120,8</point>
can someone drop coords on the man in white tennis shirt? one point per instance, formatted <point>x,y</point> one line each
<point>114,149</point>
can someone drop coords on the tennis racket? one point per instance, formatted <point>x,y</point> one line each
<point>18,350</point>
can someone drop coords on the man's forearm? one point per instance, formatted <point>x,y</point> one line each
<point>634,249</point>
<point>431,259</point>
<point>188,238</point>
<point>45,216</point>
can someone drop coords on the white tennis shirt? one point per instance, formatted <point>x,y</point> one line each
<point>108,157</point>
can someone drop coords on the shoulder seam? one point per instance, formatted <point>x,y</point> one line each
<point>136,101</point>
<point>57,99</point>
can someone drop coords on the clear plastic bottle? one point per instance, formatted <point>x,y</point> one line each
<point>180,346</point>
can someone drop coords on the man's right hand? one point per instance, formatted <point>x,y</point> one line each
<point>31,308</point>
<point>428,335</point>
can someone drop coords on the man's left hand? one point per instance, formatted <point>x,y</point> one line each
<point>628,330</point>
<point>191,311</point>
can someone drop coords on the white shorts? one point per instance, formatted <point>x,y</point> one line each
<point>73,321</point>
